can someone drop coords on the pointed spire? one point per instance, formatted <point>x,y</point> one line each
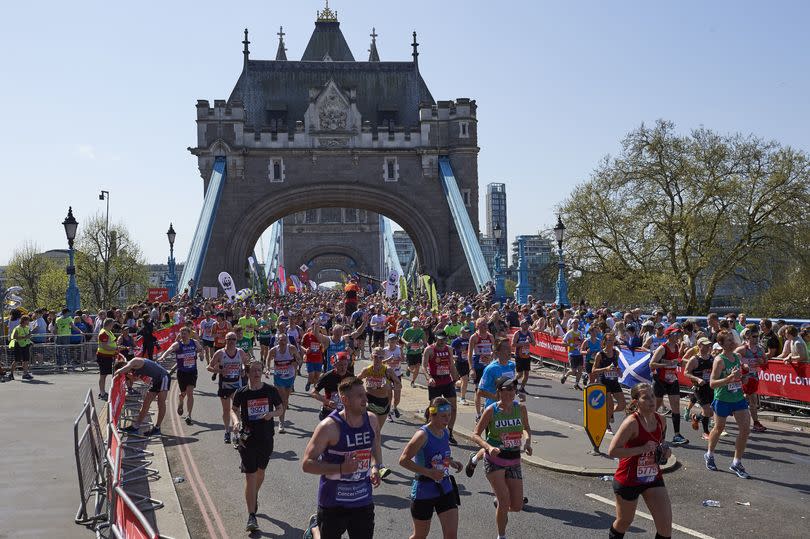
<point>246,51</point>
<point>373,55</point>
<point>281,53</point>
<point>415,46</point>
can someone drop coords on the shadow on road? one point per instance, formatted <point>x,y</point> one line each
<point>598,520</point>
<point>286,529</point>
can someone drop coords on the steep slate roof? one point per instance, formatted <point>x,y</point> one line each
<point>327,40</point>
<point>280,85</point>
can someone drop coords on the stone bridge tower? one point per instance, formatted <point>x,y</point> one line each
<point>328,131</point>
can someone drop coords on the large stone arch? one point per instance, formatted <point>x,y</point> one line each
<point>244,231</point>
<point>315,253</point>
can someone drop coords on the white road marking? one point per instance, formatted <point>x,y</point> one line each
<point>648,516</point>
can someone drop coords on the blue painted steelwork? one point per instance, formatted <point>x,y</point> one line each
<point>390,258</point>
<point>205,225</point>
<point>273,260</point>
<point>562,285</point>
<point>466,233</point>
<point>522,290</point>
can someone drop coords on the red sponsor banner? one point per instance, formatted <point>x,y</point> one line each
<point>118,395</point>
<point>775,379</point>
<point>157,294</point>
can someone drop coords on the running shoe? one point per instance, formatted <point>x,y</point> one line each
<point>227,437</point>
<point>413,384</point>
<point>306,387</point>
<point>477,418</point>
<point>396,413</point>
<point>384,472</point>
<point>313,522</point>
<point>739,470</point>
<point>132,429</point>
<point>102,396</point>
<point>577,386</point>
<point>10,376</point>
<point>686,412</point>
<point>679,440</point>
<point>709,460</point>
<point>252,525</point>
<point>453,440</point>
<point>189,420</point>
<point>463,401</point>
<point>563,378</point>
<point>154,431</point>
<point>180,409</point>
<point>469,469</point>
<point>758,427</point>
<point>695,421</point>
<point>610,429</point>
<point>391,415</point>
<point>281,430</point>
<point>27,376</point>
<point>214,376</point>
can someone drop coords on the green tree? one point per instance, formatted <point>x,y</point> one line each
<point>25,269</point>
<point>510,286</point>
<point>52,286</point>
<point>108,262</point>
<point>673,217</point>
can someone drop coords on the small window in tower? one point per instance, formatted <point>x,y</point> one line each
<point>275,169</point>
<point>276,119</point>
<point>386,119</point>
<point>350,215</point>
<point>311,216</point>
<point>464,130</point>
<point>391,169</point>
<point>465,195</point>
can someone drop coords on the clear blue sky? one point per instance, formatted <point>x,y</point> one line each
<point>101,95</point>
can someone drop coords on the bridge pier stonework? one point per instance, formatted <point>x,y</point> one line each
<point>331,132</point>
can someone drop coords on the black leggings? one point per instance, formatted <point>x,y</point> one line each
<point>358,522</point>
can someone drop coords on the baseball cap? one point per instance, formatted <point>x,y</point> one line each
<point>703,341</point>
<point>392,336</point>
<point>505,382</point>
<point>671,329</point>
<point>415,319</point>
<point>441,335</point>
<point>342,356</point>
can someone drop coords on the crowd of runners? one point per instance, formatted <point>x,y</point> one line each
<point>356,351</point>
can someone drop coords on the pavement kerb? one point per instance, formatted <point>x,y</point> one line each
<point>170,519</point>
<point>539,462</point>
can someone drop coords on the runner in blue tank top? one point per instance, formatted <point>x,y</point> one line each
<point>158,390</point>
<point>185,351</point>
<point>428,456</point>
<point>345,452</point>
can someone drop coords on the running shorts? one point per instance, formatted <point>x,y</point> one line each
<point>632,493</point>
<point>448,391</point>
<point>523,364</point>
<point>423,509</point>
<point>663,388</point>
<point>185,379</point>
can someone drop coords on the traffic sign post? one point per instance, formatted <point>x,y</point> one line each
<point>594,408</point>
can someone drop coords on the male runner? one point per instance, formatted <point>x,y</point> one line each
<point>254,407</point>
<point>248,324</point>
<point>158,390</point>
<point>573,340</point>
<point>521,341</point>
<point>185,351</point>
<point>105,355</point>
<point>664,363</point>
<point>415,340</point>
<point>379,324</point>
<point>314,343</point>
<point>344,451</point>
<point>442,375</point>
<point>329,382</point>
<point>228,363</point>
<point>460,345</point>
<point>479,355</point>
<point>285,360</point>
<point>207,336</point>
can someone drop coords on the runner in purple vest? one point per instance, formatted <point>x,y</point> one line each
<point>345,452</point>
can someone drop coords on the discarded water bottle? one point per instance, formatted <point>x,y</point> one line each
<point>711,503</point>
<point>179,479</point>
<point>606,478</point>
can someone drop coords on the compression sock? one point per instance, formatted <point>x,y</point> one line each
<point>705,422</point>
<point>676,423</point>
<point>613,534</point>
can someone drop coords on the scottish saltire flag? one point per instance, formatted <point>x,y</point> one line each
<point>634,366</point>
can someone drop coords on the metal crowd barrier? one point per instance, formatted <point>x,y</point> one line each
<point>49,355</point>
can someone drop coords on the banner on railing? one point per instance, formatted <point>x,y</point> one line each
<point>775,380</point>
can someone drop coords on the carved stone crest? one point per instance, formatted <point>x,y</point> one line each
<point>333,113</point>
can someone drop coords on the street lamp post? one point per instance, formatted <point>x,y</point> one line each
<point>73,301</point>
<point>562,285</point>
<point>105,195</point>
<point>523,272</point>
<point>171,276</point>
<point>500,279</point>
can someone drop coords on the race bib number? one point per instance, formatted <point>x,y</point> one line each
<point>335,398</point>
<point>415,347</point>
<point>441,463</point>
<point>314,348</point>
<point>611,375</point>
<point>375,382</point>
<point>257,408</point>
<point>670,377</point>
<point>484,349</point>
<point>443,369</point>
<point>189,361</point>
<point>511,440</point>
<point>647,469</point>
<point>734,386</point>
<point>232,370</point>
<point>363,458</point>
<point>523,351</point>
<point>707,375</point>
<point>285,370</point>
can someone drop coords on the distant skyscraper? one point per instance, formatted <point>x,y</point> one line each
<point>539,254</point>
<point>404,247</point>
<point>496,215</point>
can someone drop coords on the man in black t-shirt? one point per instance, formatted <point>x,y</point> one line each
<point>254,407</point>
<point>768,339</point>
<point>329,382</point>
